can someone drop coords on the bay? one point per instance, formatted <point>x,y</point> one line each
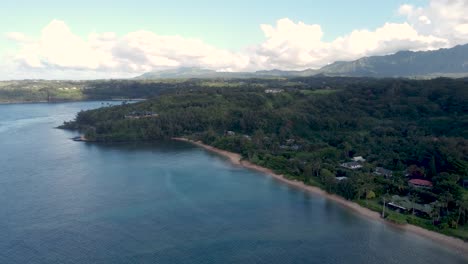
<point>167,202</point>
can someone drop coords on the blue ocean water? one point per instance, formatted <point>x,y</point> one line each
<point>168,202</point>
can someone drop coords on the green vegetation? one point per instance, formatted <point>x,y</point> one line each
<point>414,128</point>
<point>319,92</point>
<point>58,91</point>
<point>41,91</point>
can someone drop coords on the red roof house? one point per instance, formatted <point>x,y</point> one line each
<point>418,183</point>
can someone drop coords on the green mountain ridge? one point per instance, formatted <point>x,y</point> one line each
<point>452,62</point>
<point>199,73</point>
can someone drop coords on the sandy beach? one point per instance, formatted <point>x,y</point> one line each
<point>236,159</point>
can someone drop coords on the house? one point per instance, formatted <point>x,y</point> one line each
<point>383,172</point>
<point>230,133</point>
<point>396,207</point>
<point>404,204</point>
<point>351,165</point>
<point>341,178</point>
<point>359,159</point>
<point>273,91</point>
<point>419,183</point>
<point>465,183</point>
<point>143,114</point>
<point>293,147</point>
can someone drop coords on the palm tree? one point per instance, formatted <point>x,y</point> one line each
<point>446,198</point>
<point>399,181</point>
<point>462,209</point>
<point>316,166</point>
<point>385,199</point>
<point>436,212</point>
<point>414,198</point>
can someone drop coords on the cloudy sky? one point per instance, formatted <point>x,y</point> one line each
<point>91,39</point>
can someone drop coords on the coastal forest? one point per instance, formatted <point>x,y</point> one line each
<point>62,91</point>
<point>310,129</point>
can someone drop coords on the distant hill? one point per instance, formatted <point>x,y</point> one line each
<point>194,73</point>
<point>451,62</point>
<point>185,72</point>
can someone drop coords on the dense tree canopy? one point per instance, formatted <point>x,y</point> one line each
<point>312,125</point>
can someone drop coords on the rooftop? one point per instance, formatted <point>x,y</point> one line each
<point>420,182</point>
<point>383,171</point>
<point>359,158</point>
<point>351,165</point>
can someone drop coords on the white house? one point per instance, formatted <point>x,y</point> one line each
<point>359,159</point>
<point>351,165</point>
<point>273,91</point>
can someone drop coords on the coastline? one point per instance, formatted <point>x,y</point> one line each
<point>453,243</point>
<point>71,101</point>
<point>23,102</point>
<point>81,138</point>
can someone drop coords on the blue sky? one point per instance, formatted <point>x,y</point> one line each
<point>225,24</point>
<point>98,39</point>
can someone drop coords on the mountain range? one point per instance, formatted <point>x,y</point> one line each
<point>451,62</point>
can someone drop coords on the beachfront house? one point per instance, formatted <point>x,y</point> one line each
<point>351,165</point>
<point>405,205</point>
<point>383,172</point>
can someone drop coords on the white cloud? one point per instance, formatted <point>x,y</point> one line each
<point>439,24</point>
<point>16,36</point>
<point>288,45</point>
<point>297,45</point>
<point>405,9</point>
<point>442,18</point>
<point>425,20</point>
<point>58,48</point>
<point>462,29</point>
<point>154,51</point>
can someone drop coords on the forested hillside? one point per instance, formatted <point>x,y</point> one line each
<point>59,91</point>
<point>306,128</point>
<point>422,64</point>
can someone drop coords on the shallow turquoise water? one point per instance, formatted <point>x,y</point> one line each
<point>69,202</point>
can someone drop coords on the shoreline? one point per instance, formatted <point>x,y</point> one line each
<point>70,101</point>
<point>23,102</point>
<point>453,243</point>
